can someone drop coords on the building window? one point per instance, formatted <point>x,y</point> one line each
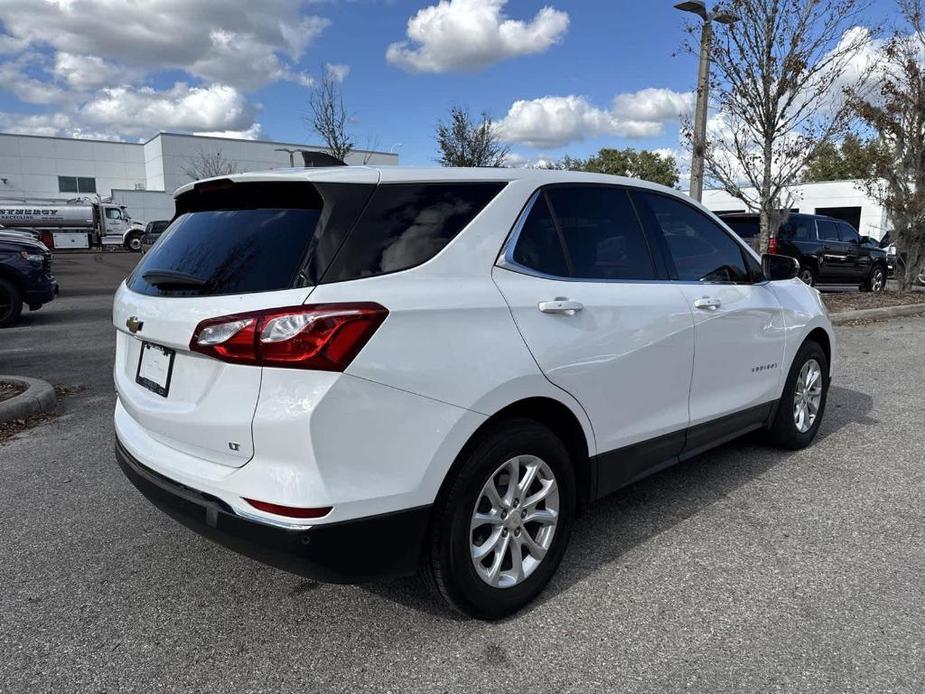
<point>76,184</point>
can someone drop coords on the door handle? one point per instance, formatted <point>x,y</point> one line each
<point>560,305</point>
<point>707,303</point>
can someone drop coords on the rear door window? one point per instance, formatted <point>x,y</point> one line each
<point>847,233</point>
<point>601,233</point>
<point>406,225</point>
<point>827,230</point>
<point>539,246</point>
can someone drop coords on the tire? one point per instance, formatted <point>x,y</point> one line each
<point>449,563</point>
<point>786,430</point>
<point>876,281</point>
<point>10,303</point>
<point>808,275</point>
<point>133,243</point>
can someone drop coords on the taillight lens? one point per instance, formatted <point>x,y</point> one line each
<point>323,337</point>
<point>772,245</point>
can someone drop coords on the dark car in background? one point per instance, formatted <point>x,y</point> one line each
<point>830,251</point>
<point>25,276</point>
<point>153,232</point>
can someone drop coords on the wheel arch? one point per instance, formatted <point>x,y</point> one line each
<point>12,276</point>
<point>823,339</point>
<point>558,418</point>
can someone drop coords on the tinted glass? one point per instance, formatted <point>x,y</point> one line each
<point>701,250</point>
<point>86,185</point>
<point>798,229</point>
<point>538,246</point>
<point>827,230</point>
<point>67,184</point>
<point>405,225</point>
<point>601,233</point>
<point>229,251</point>
<point>746,228</point>
<point>847,233</point>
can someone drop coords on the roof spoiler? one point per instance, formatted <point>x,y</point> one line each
<point>316,159</point>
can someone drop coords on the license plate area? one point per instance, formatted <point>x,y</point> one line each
<point>155,367</point>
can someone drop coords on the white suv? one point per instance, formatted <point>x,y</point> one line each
<point>353,373</point>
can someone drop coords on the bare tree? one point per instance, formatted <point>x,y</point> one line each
<point>328,117</point>
<point>896,113</point>
<point>779,75</point>
<point>208,164</point>
<point>463,142</point>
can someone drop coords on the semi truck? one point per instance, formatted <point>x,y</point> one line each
<point>74,223</point>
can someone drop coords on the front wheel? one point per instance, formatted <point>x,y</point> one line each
<point>10,303</point>
<point>876,282</point>
<point>500,530</point>
<point>133,243</point>
<point>802,404</point>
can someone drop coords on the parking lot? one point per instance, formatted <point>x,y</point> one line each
<point>746,569</point>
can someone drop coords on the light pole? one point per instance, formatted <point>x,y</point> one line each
<point>699,8</point>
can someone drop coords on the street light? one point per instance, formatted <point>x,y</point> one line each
<point>703,86</point>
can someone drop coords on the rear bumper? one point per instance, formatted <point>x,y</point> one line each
<point>348,552</point>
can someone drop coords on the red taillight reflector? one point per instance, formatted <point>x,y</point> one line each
<point>772,245</point>
<point>324,337</point>
<point>290,511</point>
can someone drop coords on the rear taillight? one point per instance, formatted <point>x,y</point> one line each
<point>323,337</point>
<point>772,245</point>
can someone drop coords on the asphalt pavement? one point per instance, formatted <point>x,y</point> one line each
<point>744,570</point>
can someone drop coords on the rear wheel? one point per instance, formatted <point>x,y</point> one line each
<point>802,404</point>
<point>807,275</point>
<point>500,530</point>
<point>10,303</point>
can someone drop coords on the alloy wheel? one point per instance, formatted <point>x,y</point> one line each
<point>806,276</point>
<point>807,396</point>
<point>514,521</point>
<point>876,281</point>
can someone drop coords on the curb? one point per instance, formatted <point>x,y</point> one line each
<point>39,396</point>
<point>876,313</point>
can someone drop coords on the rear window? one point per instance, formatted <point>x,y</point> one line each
<point>406,225</point>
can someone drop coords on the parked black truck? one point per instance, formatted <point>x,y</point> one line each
<point>25,276</point>
<point>830,250</point>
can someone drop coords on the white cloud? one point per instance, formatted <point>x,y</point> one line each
<point>472,34</point>
<point>251,133</point>
<point>49,125</point>
<point>85,72</point>
<point>132,111</point>
<point>555,121</point>
<point>338,71</point>
<point>238,42</point>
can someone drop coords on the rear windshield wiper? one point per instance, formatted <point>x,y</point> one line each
<point>173,278</point>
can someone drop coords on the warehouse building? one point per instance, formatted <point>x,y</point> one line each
<point>840,199</point>
<point>141,176</point>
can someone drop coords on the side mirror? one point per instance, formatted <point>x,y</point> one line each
<point>779,267</point>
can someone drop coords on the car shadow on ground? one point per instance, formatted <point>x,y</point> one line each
<point>634,515</point>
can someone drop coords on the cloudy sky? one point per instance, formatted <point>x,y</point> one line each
<point>560,75</point>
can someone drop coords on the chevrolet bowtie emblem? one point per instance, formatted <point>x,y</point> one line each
<point>134,325</point>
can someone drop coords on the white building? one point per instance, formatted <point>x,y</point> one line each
<point>141,176</point>
<point>841,199</point>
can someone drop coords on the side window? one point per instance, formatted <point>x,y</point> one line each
<point>701,250</point>
<point>538,246</point>
<point>803,229</point>
<point>827,230</point>
<point>113,213</point>
<point>601,233</point>
<point>847,233</point>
